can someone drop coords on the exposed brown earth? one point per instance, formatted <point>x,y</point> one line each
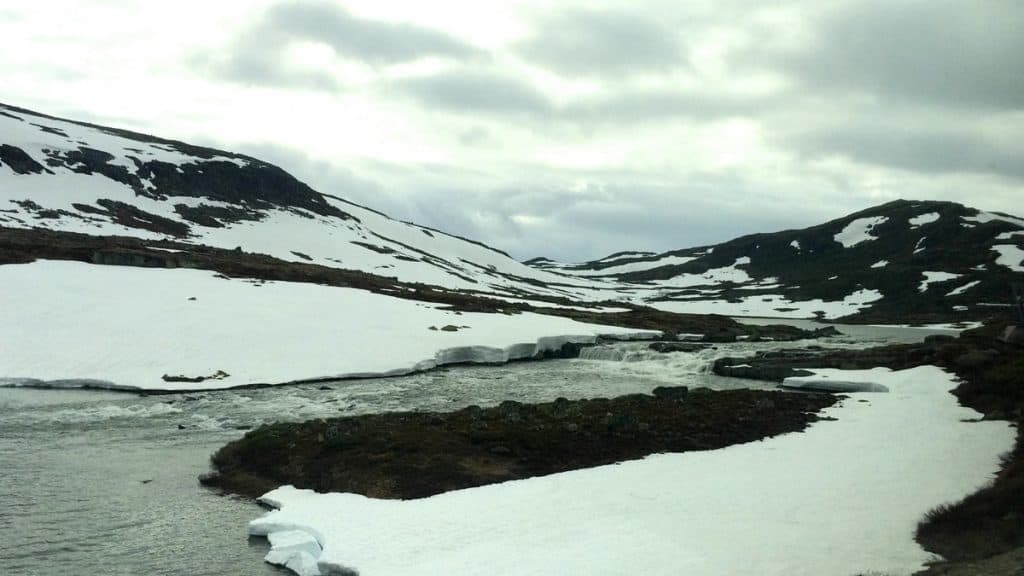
<point>417,454</point>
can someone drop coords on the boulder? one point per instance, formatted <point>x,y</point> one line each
<point>666,347</point>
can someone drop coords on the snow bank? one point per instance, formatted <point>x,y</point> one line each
<point>130,326</point>
<point>842,498</point>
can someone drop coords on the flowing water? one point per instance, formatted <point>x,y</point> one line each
<point>96,482</point>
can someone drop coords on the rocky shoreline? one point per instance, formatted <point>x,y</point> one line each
<point>417,454</point>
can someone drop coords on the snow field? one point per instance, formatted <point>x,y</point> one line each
<point>842,498</point>
<point>130,326</point>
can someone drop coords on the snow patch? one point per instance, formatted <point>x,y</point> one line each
<point>918,221</point>
<point>859,231</point>
<point>1010,256</point>
<point>985,217</point>
<point>880,264</point>
<point>933,277</point>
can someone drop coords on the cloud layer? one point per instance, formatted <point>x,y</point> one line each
<point>568,131</point>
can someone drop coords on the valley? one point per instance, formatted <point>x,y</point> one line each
<point>453,406</point>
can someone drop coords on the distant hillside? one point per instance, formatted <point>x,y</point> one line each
<point>68,176</point>
<point>167,201</point>
<point>905,261</point>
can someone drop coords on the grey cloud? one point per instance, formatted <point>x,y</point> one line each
<point>924,150</point>
<point>945,52</point>
<point>370,40</point>
<point>585,42</point>
<point>473,91</point>
<point>256,54</point>
<point>573,225</point>
<point>660,104</point>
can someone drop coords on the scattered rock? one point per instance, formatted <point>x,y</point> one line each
<point>218,375</point>
<point>666,347</point>
<point>671,392</point>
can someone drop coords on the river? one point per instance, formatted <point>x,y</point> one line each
<point>98,482</point>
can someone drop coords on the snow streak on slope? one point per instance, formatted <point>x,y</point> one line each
<point>842,498</point>
<point>775,306</point>
<point>131,326</point>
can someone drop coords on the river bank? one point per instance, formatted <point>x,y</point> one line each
<point>417,454</point>
<point>984,531</point>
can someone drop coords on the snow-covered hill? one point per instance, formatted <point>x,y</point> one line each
<point>68,176</point>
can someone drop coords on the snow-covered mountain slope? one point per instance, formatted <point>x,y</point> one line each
<point>901,261</point>
<point>68,176</point>
<point>895,263</point>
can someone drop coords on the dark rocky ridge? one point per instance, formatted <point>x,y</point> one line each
<point>823,268</point>
<point>417,454</point>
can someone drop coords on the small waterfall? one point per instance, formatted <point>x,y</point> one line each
<point>608,353</point>
<point>619,353</point>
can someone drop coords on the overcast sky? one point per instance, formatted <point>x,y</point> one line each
<point>570,131</point>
